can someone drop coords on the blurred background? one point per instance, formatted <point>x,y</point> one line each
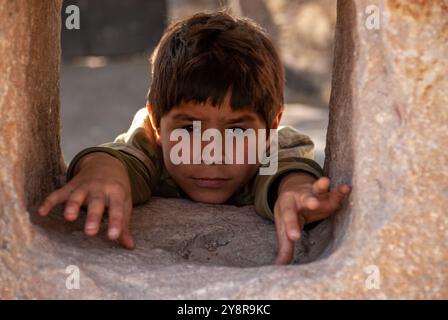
<point>105,72</point>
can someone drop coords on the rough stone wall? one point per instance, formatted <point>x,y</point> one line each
<point>31,161</point>
<point>387,136</point>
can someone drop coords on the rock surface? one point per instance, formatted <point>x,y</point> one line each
<point>387,136</point>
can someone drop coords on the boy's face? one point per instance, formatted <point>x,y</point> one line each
<point>209,183</point>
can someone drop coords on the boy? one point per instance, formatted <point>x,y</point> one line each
<point>224,74</point>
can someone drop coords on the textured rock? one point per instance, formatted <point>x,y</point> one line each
<point>386,136</point>
<point>30,153</point>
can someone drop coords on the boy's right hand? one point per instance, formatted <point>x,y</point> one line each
<point>100,181</point>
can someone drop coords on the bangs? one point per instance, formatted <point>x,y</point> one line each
<point>211,79</point>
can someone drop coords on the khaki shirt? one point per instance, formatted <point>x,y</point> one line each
<point>142,157</point>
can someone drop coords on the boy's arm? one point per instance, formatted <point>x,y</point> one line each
<point>297,194</point>
<point>136,149</point>
<point>266,186</point>
<point>138,174</point>
<point>116,175</point>
<point>295,155</point>
<point>302,199</point>
<point>99,181</point>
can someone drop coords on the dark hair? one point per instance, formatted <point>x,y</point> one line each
<point>209,55</point>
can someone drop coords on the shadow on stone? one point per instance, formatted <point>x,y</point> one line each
<point>179,231</point>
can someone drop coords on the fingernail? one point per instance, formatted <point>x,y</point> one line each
<point>70,210</point>
<point>295,234</point>
<point>113,232</point>
<point>312,203</point>
<point>91,225</point>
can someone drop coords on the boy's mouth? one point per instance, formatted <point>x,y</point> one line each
<point>208,182</point>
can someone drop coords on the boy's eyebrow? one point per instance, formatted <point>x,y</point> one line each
<point>243,118</point>
<point>183,116</point>
<point>247,117</point>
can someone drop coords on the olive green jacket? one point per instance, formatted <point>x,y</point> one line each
<point>142,157</point>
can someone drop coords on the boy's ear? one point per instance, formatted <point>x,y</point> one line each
<point>274,125</point>
<point>277,119</point>
<point>156,130</point>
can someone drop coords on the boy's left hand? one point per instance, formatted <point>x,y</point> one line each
<point>302,199</point>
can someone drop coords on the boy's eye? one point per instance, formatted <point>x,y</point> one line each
<point>233,130</point>
<point>190,128</point>
<point>237,130</point>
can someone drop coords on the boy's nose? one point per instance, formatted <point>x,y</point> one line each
<point>229,155</point>
<point>210,153</point>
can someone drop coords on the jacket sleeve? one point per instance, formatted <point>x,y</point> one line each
<point>295,153</point>
<point>137,150</point>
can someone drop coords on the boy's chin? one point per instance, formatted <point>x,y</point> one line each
<point>210,197</point>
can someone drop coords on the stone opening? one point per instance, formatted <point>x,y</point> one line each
<point>115,86</point>
<point>388,84</point>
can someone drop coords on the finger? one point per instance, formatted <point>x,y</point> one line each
<point>321,185</point>
<point>329,206</point>
<point>95,211</point>
<point>292,225</point>
<point>307,200</point>
<point>54,198</point>
<point>76,199</point>
<point>289,212</point>
<point>125,237</point>
<point>285,245</point>
<point>345,188</point>
<point>286,219</point>
<point>318,216</point>
<point>116,213</point>
<point>339,193</point>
